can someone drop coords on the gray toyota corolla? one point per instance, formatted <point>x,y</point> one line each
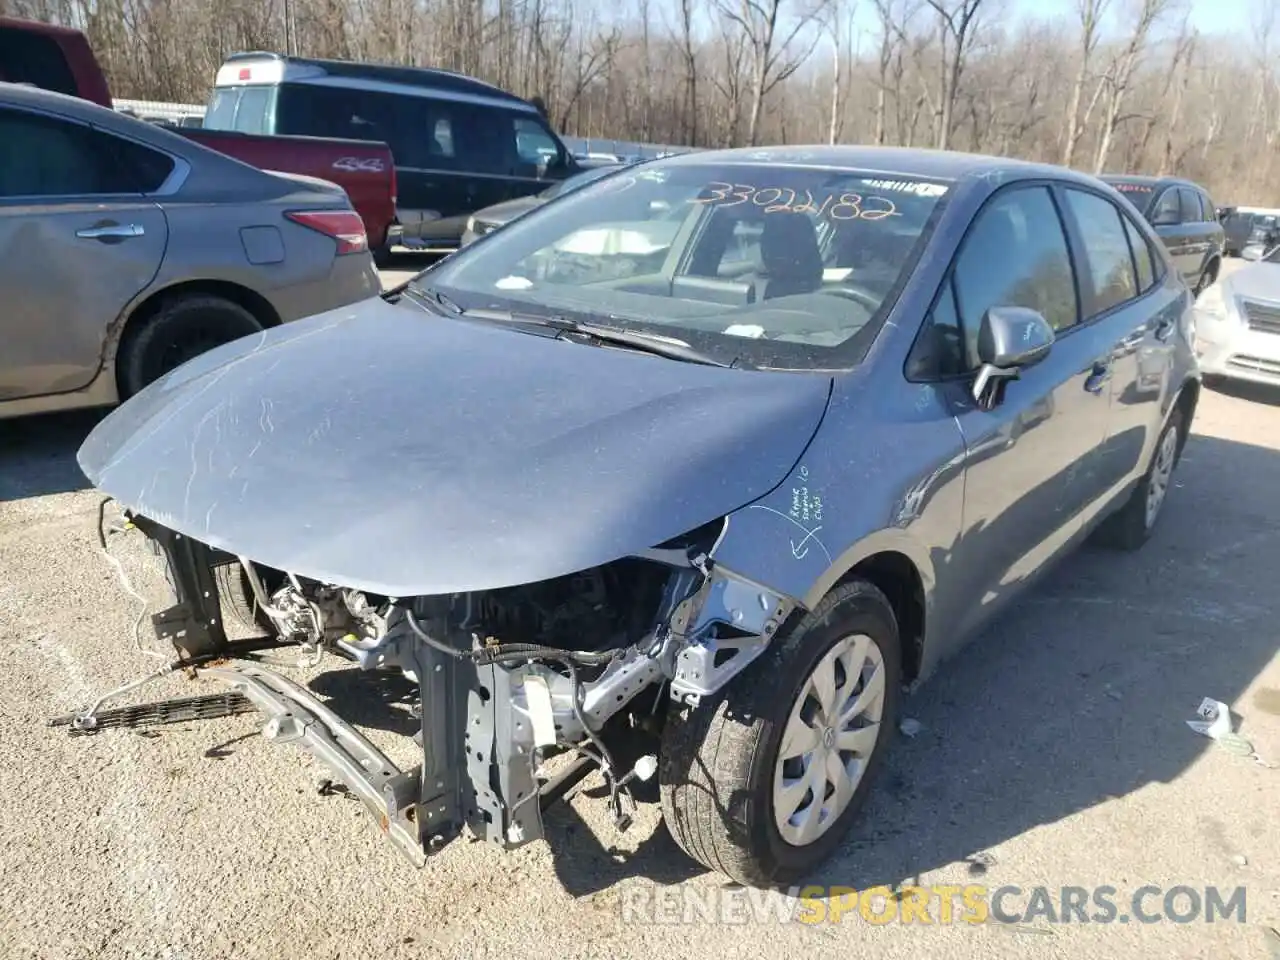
<point>685,475</point>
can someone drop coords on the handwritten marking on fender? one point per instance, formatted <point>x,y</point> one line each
<point>799,548</point>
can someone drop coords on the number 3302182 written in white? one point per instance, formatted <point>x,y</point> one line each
<point>843,206</point>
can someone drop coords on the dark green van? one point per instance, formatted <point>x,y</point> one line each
<point>460,144</point>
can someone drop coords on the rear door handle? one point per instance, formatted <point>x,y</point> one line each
<point>108,232</point>
<point>1098,377</point>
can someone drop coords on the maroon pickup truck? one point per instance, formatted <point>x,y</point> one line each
<point>61,59</point>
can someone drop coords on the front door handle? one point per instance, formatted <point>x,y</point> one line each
<point>1099,376</point>
<point>111,232</point>
<point>1164,327</point>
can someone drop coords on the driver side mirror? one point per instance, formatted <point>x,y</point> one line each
<point>1009,340</point>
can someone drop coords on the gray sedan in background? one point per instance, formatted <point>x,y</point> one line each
<point>126,249</point>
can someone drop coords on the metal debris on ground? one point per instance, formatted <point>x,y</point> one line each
<point>177,710</point>
<point>910,727</point>
<point>1214,722</point>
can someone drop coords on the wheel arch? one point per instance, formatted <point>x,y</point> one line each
<point>896,564</point>
<point>1186,401</point>
<point>257,305</point>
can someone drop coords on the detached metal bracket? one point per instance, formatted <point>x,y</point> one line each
<point>194,623</point>
<point>295,715</point>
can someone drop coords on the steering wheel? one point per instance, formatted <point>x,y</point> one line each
<point>858,296</point>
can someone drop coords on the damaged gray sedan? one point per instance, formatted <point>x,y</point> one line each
<point>686,475</point>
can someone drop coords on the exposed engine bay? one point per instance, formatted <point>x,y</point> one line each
<point>507,678</point>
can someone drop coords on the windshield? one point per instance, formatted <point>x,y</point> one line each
<point>779,265</point>
<point>244,109</point>
<point>578,180</point>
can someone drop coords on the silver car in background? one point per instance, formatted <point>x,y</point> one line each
<point>126,249</point>
<point>1238,322</point>
<point>485,221</point>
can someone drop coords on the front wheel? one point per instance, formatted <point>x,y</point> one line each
<point>762,781</point>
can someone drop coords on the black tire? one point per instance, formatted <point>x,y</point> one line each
<point>718,759</point>
<point>1130,527</point>
<point>180,329</point>
<point>236,594</point>
<point>1207,277</point>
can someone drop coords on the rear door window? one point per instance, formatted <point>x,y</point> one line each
<point>1143,261</point>
<point>44,157</point>
<point>1106,250</point>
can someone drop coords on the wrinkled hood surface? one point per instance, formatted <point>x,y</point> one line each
<point>384,448</point>
<point>1259,281</point>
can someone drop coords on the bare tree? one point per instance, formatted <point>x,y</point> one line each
<point>1090,13</point>
<point>893,17</point>
<point>956,22</point>
<point>772,46</point>
<point>1120,74</point>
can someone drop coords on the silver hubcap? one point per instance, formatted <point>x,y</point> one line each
<point>833,727</point>
<point>1161,472</point>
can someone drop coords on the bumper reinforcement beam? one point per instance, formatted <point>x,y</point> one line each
<point>295,715</point>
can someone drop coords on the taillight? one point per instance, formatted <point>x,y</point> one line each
<point>344,226</point>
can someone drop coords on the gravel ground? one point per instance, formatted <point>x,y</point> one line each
<point>1053,753</point>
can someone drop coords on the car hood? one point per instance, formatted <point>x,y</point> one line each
<point>508,210</point>
<point>388,449</point>
<point>1257,281</point>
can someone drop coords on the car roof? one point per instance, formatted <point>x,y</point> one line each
<point>27,95</point>
<point>1150,181</point>
<point>892,161</point>
<point>362,73</point>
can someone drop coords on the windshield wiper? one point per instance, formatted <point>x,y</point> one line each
<point>653,343</point>
<point>430,298</point>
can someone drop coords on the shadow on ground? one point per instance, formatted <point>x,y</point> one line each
<point>1243,390</point>
<point>1076,696</point>
<point>38,454</point>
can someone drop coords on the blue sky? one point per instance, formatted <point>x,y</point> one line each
<point>1234,17</point>
<point>1208,16</point>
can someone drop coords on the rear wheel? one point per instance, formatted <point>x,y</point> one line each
<point>180,330</point>
<point>762,781</point>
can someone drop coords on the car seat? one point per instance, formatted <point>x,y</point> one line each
<point>791,260</point>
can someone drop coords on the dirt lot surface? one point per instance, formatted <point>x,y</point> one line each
<point>1054,752</point>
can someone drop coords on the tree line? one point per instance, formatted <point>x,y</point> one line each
<point>1113,86</point>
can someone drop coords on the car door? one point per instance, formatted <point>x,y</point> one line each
<point>1199,233</point>
<point>1132,317</point>
<point>79,239</point>
<point>1028,458</point>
